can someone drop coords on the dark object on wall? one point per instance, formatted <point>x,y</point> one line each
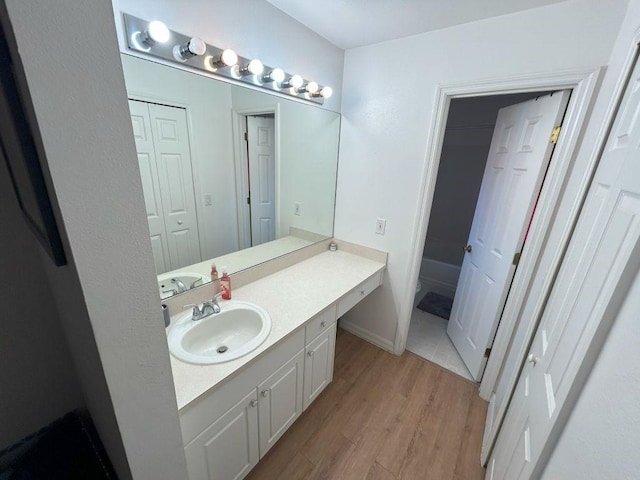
<point>67,449</point>
<point>21,145</point>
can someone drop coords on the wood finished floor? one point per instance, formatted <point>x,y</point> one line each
<point>383,418</point>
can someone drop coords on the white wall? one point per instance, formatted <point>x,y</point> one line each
<point>254,29</point>
<point>106,296</point>
<point>38,378</point>
<point>386,121</point>
<point>601,440</point>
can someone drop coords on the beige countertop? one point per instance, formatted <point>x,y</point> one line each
<point>291,297</point>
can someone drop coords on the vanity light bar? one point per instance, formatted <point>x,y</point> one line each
<point>184,50</point>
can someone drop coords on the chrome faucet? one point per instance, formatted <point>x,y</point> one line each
<point>208,308</point>
<point>180,284</point>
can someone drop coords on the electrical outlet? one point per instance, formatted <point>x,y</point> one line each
<point>297,208</point>
<point>381,226</point>
<point>208,199</point>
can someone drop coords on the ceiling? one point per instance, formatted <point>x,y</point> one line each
<point>354,23</point>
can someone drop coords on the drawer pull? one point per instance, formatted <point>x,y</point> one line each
<point>254,403</point>
<point>264,393</point>
<point>310,353</point>
<point>361,292</point>
<point>323,323</point>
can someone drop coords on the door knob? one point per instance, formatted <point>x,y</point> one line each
<point>310,353</point>
<point>533,359</point>
<point>264,393</point>
<point>467,249</point>
<point>179,222</point>
<point>253,403</point>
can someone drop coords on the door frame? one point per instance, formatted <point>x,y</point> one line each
<point>242,174</point>
<point>583,83</point>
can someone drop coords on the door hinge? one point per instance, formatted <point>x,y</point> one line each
<point>246,137</point>
<point>248,200</point>
<point>516,258</point>
<point>555,133</point>
<point>487,352</point>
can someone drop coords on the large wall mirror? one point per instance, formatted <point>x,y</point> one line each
<point>231,175</point>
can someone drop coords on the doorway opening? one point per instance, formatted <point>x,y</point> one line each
<point>494,156</point>
<point>257,176</point>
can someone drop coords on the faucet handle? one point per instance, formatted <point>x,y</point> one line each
<point>196,314</point>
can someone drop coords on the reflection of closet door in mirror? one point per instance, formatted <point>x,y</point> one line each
<point>150,185</point>
<point>262,178</point>
<point>165,168</point>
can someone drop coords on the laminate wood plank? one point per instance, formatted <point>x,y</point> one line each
<point>378,472</point>
<point>373,393</point>
<point>436,442</point>
<point>420,397</point>
<point>346,408</point>
<point>349,366</point>
<point>373,436</point>
<point>468,463</point>
<point>337,451</point>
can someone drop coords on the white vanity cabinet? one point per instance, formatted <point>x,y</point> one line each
<point>228,448</point>
<point>228,430</point>
<point>280,401</point>
<point>320,345</point>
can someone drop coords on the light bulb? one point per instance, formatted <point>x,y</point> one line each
<point>275,75</point>
<point>193,47</point>
<point>326,92</point>
<point>157,32</point>
<point>296,81</point>
<point>227,58</point>
<point>312,87</point>
<point>255,67</point>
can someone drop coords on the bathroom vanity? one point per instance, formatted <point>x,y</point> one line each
<point>232,413</point>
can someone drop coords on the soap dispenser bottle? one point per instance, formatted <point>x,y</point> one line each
<point>225,284</point>
<point>214,272</point>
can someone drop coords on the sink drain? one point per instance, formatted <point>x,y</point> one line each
<point>222,349</point>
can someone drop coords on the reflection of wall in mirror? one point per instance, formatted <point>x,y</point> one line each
<point>308,160</point>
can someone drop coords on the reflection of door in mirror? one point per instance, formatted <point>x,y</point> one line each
<point>164,158</point>
<point>262,182</point>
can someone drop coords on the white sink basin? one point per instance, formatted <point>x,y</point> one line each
<point>238,329</point>
<point>166,286</point>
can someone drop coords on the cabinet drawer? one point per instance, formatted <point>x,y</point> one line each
<point>347,302</point>
<point>321,323</point>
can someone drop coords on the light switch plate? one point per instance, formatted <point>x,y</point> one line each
<point>297,208</point>
<point>381,226</point>
<point>208,199</point>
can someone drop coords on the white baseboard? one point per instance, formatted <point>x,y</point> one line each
<point>358,331</point>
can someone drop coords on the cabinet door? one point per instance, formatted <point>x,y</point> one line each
<point>280,401</point>
<point>228,449</point>
<point>318,365</point>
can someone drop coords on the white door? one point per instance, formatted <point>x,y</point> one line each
<point>228,448</point>
<point>280,401</point>
<point>171,142</point>
<point>518,158</point>
<point>150,184</point>
<point>601,259</point>
<point>262,178</point>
